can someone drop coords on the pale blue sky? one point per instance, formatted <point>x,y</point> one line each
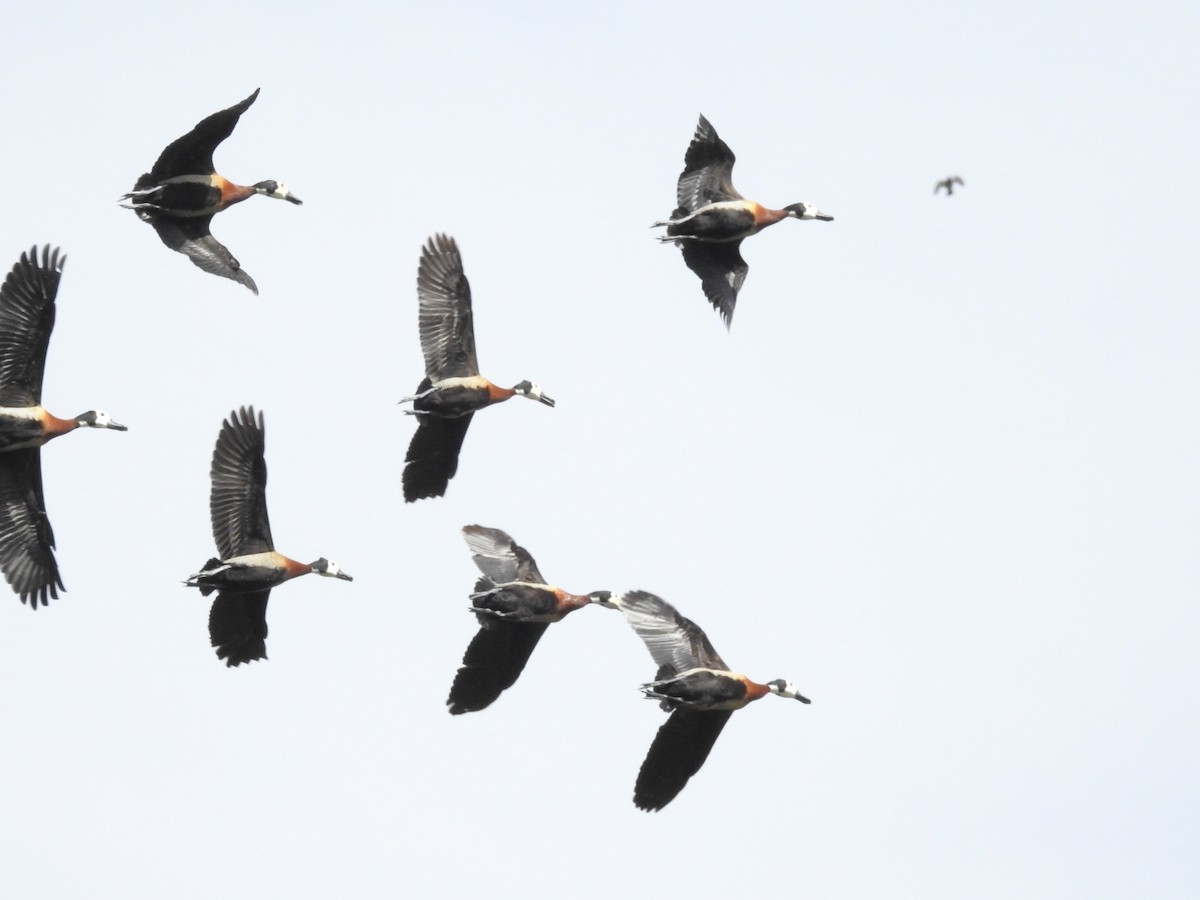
<point>941,473</point>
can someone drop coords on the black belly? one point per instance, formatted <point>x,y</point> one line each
<point>704,689</point>
<point>185,196</point>
<point>522,601</point>
<point>16,433</point>
<point>240,579</point>
<point>716,225</point>
<point>452,402</point>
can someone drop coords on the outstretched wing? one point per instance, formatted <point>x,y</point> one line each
<point>26,539</point>
<point>675,643</point>
<point>238,502</point>
<point>192,154</point>
<point>432,457</point>
<point>501,558</point>
<point>707,171</point>
<point>191,237</point>
<point>679,750</point>
<point>494,660</point>
<point>26,320</point>
<point>237,625</point>
<point>722,272</point>
<point>445,322</point>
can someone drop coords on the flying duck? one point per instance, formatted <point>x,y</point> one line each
<point>27,312</point>
<point>713,219</point>
<point>695,684</point>
<point>948,184</point>
<point>247,566</point>
<point>452,389</point>
<point>183,191</point>
<point>514,606</point>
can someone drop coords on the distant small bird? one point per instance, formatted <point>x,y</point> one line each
<point>713,218</point>
<point>452,390</point>
<point>183,191</point>
<point>27,312</point>
<point>948,184</point>
<point>247,566</point>
<point>695,684</point>
<point>514,606</point>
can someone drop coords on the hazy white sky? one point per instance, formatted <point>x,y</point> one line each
<point>941,473</point>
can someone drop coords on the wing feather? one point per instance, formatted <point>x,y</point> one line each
<point>707,170</point>
<point>192,153</point>
<point>501,558</point>
<point>676,643</point>
<point>26,539</point>
<point>679,750</point>
<point>445,318</point>
<point>26,319</point>
<point>721,269</point>
<point>494,660</point>
<point>432,457</point>
<point>238,502</point>
<point>191,237</point>
<point>237,625</point>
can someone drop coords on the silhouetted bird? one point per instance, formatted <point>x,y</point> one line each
<point>695,684</point>
<point>514,606</point>
<point>713,218</point>
<point>452,390</point>
<point>247,566</point>
<point>26,320</point>
<point>183,191</point>
<point>948,184</point>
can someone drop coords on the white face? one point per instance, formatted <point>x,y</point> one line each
<point>786,690</point>
<point>281,192</point>
<point>534,392</point>
<point>100,419</point>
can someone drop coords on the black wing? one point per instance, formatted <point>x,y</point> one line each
<point>191,237</point>
<point>501,558</point>
<point>237,625</point>
<point>26,539</point>
<point>26,320</point>
<point>238,502</point>
<point>445,318</point>
<point>192,154</point>
<point>679,750</point>
<point>707,171</point>
<point>721,269</point>
<point>432,456</point>
<point>493,661</point>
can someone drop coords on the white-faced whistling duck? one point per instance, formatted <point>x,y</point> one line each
<point>183,191</point>
<point>514,606</point>
<point>713,218</point>
<point>248,566</point>
<point>452,389</point>
<point>695,684</point>
<point>26,320</point>
<point>948,184</point>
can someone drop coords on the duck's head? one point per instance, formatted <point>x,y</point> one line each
<point>807,211</point>
<point>278,190</point>
<point>96,418</point>
<point>532,391</point>
<point>786,689</point>
<point>605,598</point>
<point>330,569</point>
